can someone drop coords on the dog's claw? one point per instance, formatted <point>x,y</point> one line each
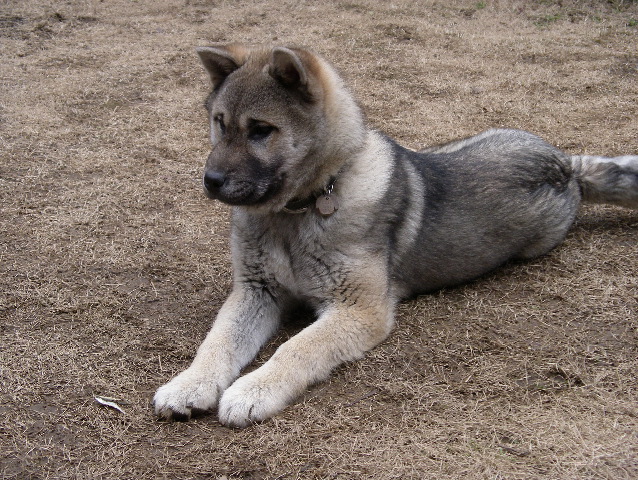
<point>188,394</point>
<point>180,417</point>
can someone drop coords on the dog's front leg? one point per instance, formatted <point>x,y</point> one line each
<point>343,332</point>
<point>246,320</point>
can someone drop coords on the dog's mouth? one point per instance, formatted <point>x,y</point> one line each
<point>239,191</point>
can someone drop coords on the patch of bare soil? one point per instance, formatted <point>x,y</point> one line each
<point>113,265</point>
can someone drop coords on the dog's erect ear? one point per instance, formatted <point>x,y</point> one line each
<point>287,67</point>
<point>221,61</point>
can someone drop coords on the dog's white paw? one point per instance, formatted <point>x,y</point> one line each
<point>187,393</point>
<point>251,399</point>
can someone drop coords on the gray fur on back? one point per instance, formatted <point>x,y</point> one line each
<point>502,195</point>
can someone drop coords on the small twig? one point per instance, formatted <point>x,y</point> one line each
<point>109,402</point>
<point>360,399</point>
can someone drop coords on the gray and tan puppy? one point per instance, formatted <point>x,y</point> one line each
<point>335,215</point>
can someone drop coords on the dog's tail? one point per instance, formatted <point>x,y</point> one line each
<point>608,180</point>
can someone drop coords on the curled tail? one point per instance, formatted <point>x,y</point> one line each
<point>608,180</point>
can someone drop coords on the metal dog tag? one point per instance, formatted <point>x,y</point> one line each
<point>326,204</point>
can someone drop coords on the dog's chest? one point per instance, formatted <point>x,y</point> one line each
<point>279,265</point>
<point>298,260</point>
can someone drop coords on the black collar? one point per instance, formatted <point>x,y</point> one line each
<point>301,206</point>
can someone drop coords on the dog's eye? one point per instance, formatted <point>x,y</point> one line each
<point>219,120</point>
<point>260,131</point>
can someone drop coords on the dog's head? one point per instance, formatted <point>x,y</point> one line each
<point>280,124</point>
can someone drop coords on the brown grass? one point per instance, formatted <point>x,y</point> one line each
<point>112,264</point>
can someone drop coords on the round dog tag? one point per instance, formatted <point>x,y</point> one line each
<point>326,204</point>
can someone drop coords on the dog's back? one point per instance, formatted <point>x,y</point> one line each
<point>501,195</point>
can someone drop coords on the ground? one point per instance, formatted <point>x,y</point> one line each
<point>113,264</point>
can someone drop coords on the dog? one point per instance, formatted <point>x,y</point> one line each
<point>339,217</point>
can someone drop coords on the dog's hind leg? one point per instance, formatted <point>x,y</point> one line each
<point>608,180</point>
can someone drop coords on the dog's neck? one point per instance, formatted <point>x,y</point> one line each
<point>315,200</point>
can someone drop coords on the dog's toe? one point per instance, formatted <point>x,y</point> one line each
<point>250,400</point>
<point>185,396</point>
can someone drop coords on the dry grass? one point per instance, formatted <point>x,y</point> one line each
<point>112,265</point>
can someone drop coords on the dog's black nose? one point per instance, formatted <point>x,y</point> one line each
<point>214,180</point>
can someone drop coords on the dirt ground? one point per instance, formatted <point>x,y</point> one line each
<point>113,264</point>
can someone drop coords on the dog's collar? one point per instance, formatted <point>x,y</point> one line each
<point>325,202</point>
<point>299,206</point>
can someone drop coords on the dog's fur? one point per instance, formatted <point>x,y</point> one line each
<point>285,131</point>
